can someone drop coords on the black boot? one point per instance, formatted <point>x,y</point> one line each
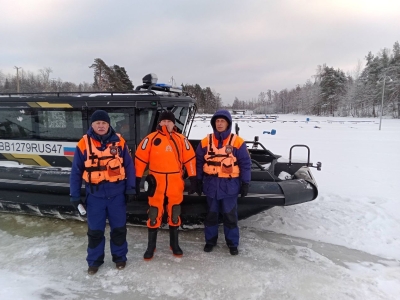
<point>173,241</point>
<point>151,246</point>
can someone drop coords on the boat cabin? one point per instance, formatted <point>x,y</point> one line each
<point>43,128</point>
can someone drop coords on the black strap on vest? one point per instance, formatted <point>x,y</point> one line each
<point>230,140</point>
<point>210,141</point>
<point>91,154</point>
<point>217,163</point>
<point>210,152</point>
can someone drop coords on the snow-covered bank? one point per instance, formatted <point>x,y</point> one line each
<point>359,188</point>
<point>44,259</point>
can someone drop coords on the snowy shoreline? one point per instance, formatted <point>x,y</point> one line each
<point>343,245</point>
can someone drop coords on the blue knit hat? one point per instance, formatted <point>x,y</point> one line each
<point>224,114</point>
<point>100,115</point>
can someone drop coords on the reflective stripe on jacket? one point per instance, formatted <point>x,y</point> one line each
<point>106,165</point>
<point>221,162</point>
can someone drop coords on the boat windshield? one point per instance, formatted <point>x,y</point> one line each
<point>181,116</point>
<point>148,120</point>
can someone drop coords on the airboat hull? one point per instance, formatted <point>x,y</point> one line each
<point>45,192</point>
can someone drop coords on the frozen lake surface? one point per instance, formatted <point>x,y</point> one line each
<point>343,245</point>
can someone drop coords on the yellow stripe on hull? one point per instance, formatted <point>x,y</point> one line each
<point>28,159</point>
<point>33,104</point>
<point>54,105</point>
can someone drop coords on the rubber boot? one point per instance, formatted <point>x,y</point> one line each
<point>151,246</point>
<point>173,241</point>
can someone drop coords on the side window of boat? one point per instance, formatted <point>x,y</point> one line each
<point>16,123</point>
<point>122,120</point>
<point>54,124</point>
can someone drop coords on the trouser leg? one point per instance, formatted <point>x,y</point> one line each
<point>96,218</point>
<point>174,192</point>
<point>230,221</point>
<point>156,201</point>
<point>116,212</point>
<point>211,221</point>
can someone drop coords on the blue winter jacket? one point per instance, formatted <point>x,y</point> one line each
<point>105,189</point>
<point>216,187</point>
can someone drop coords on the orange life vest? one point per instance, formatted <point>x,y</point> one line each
<point>221,162</point>
<point>104,165</point>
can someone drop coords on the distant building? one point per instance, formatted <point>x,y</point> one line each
<point>241,112</point>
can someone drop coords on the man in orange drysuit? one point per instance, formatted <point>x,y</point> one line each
<point>166,152</point>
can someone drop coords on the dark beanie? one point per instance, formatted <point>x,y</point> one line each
<point>100,115</point>
<point>167,115</point>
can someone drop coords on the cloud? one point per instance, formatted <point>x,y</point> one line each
<point>237,48</point>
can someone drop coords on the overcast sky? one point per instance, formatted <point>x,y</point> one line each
<point>238,48</point>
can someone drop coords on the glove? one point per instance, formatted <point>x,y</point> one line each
<point>244,190</point>
<point>76,202</point>
<point>138,180</point>
<point>193,185</point>
<point>130,198</point>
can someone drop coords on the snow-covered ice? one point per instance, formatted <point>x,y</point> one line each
<point>343,245</point>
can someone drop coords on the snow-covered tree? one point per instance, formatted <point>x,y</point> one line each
<point>123,77</point>
<point>333,86</point>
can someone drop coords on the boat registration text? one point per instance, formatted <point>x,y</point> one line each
<point>37,147</point>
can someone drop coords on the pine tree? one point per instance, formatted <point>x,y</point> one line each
<point>236,103</point>
<point>105,79</point>
<point>333,86</point>
<point>123,77</point>
<point>100,77</point>
<point>7,86</point>
<point>394,85</point>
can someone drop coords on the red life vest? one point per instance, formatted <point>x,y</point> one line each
<point>221,162</point>
<point>104,165</point>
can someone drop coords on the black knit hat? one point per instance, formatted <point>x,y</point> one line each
<point>167,115</point>
<point>100,115</point>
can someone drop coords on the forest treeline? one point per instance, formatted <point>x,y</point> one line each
<point>330,91</point>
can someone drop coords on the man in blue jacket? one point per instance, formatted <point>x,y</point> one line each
<point>223,168</point>
<point>103,161</point>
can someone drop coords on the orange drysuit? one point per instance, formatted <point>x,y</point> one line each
<point>166,154</point>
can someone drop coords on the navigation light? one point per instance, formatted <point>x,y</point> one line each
<point>150,79</point>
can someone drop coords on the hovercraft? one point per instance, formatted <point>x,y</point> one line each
<point>39,132</point>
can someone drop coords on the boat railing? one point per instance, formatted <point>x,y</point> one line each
<point>309,164</point>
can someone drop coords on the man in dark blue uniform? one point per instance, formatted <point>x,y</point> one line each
<point>103,161</point>
<point>223,168</point>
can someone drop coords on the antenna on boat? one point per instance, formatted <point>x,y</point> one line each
<point>172,81</point>
<point>237,128</point>
<point>255,144</point>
